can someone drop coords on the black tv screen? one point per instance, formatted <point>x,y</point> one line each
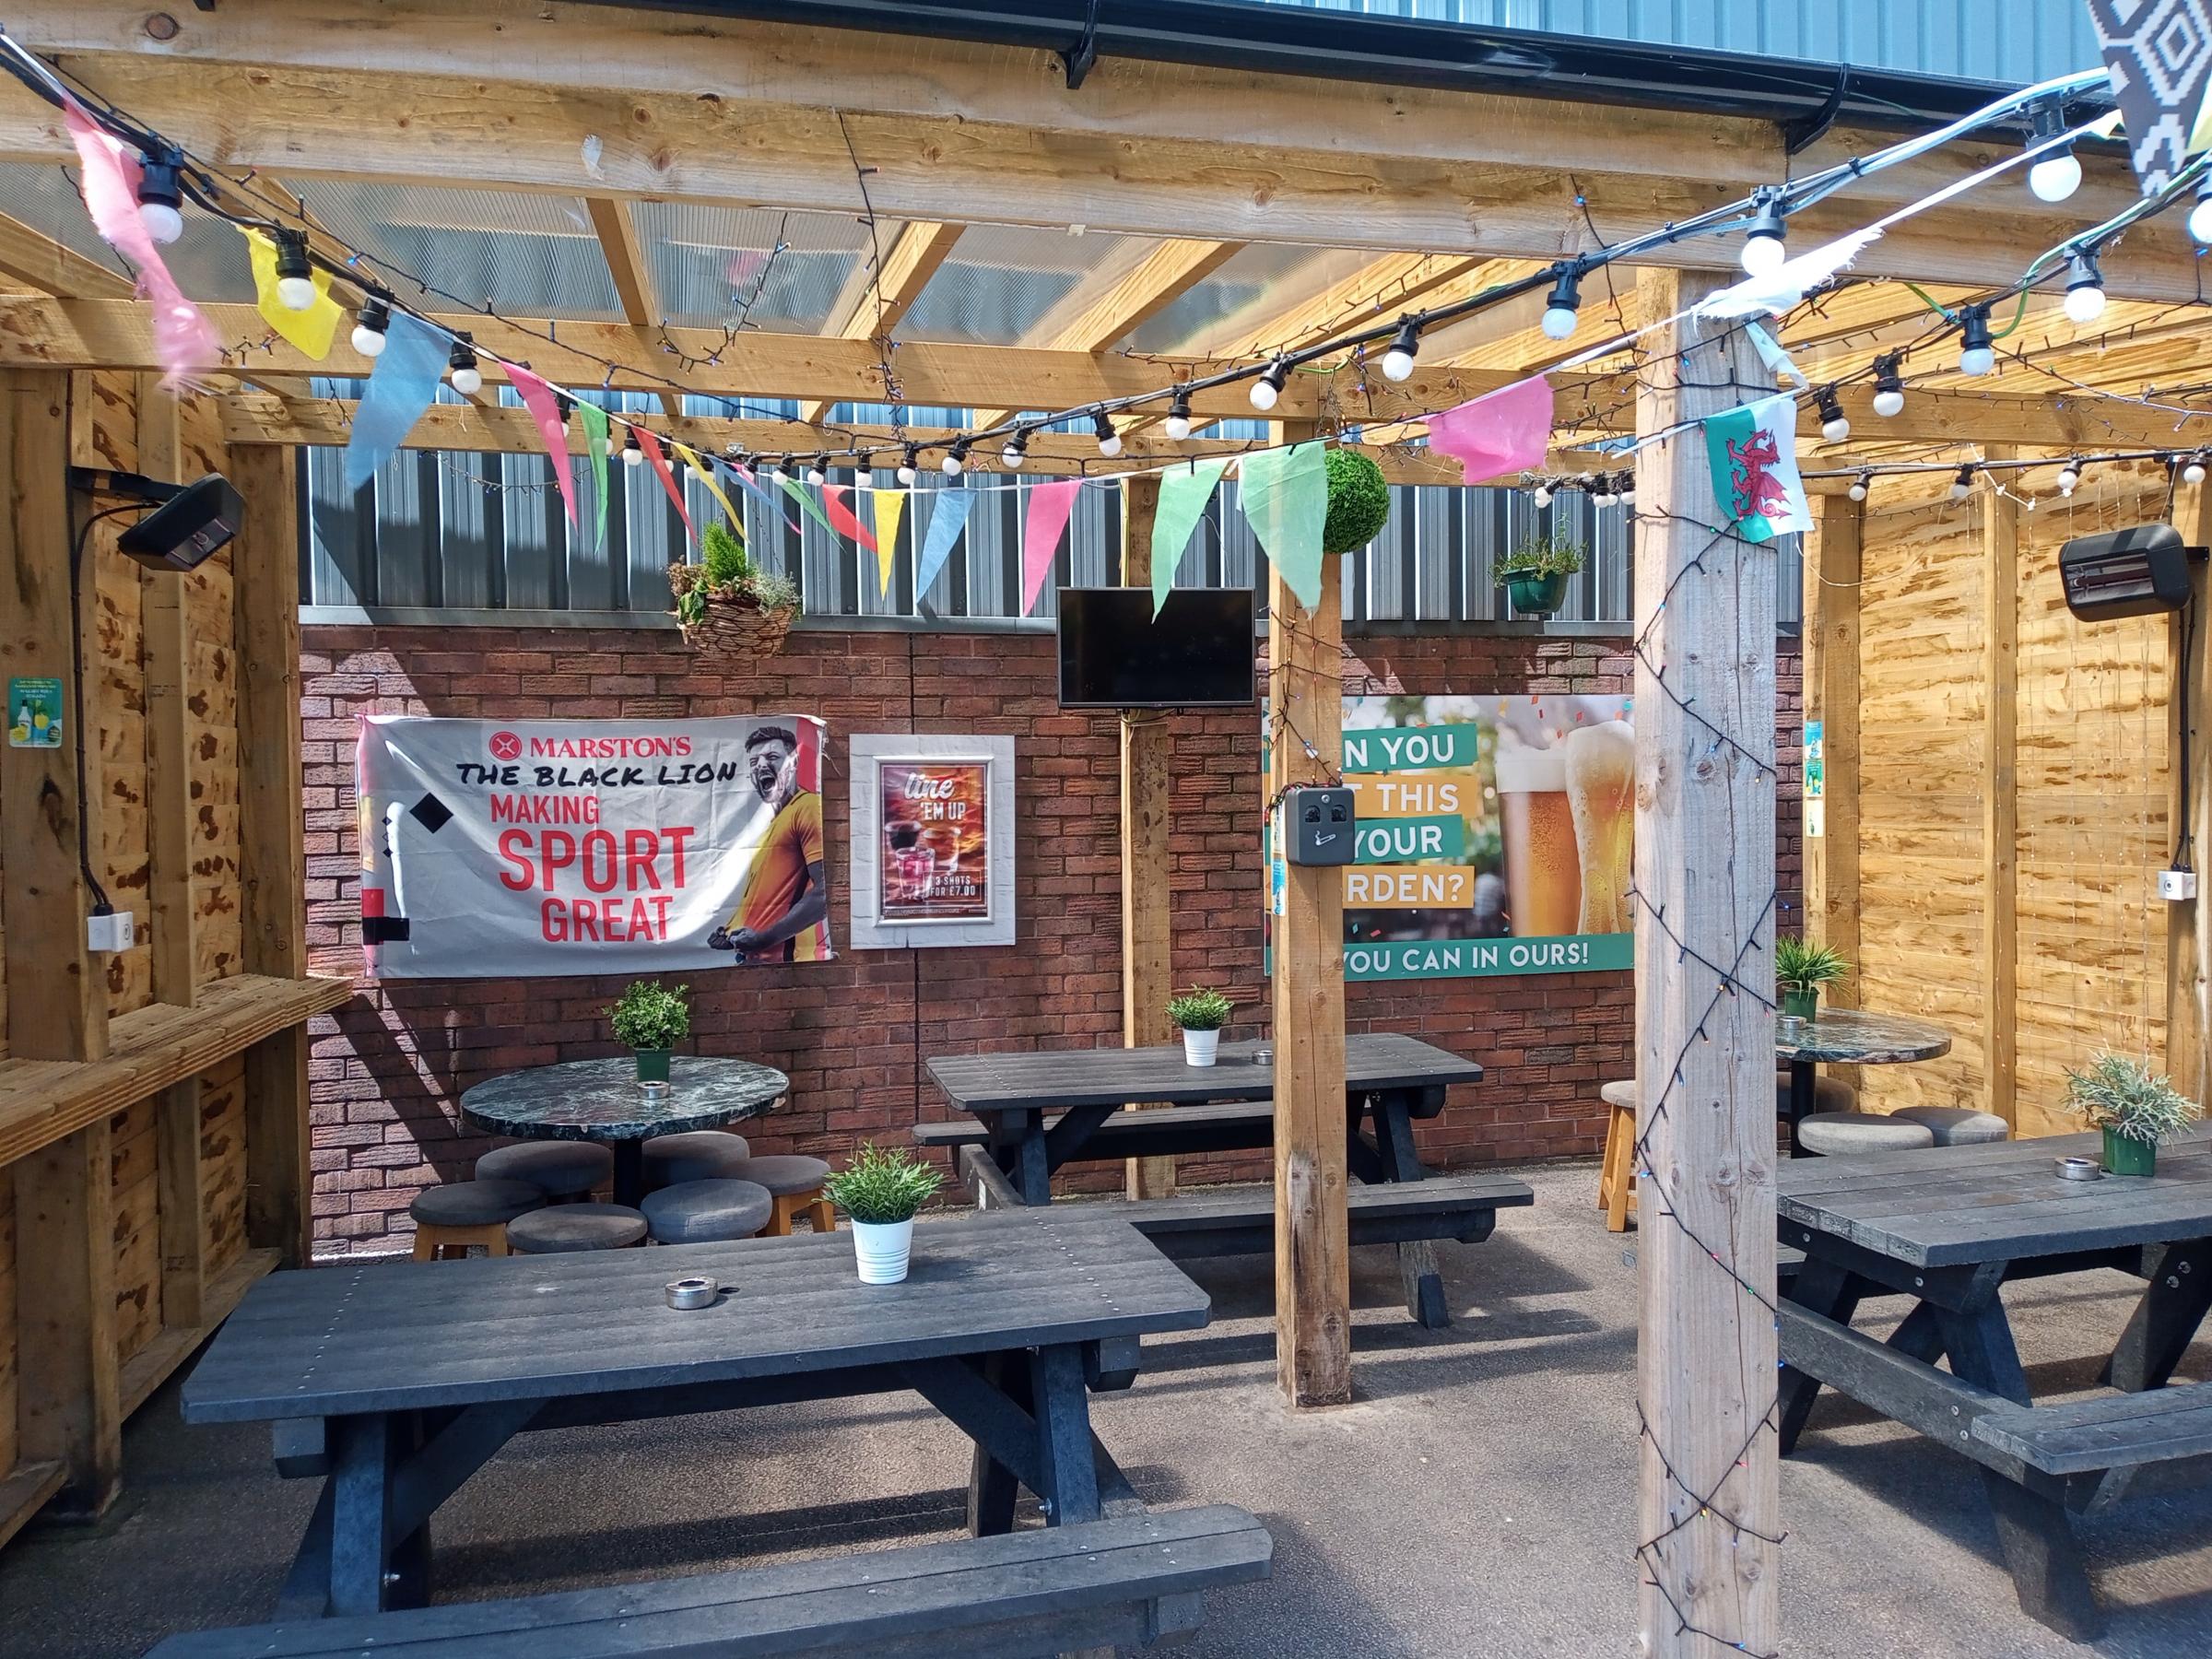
<point>1198,652</point>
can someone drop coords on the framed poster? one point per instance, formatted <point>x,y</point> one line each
<point>932,841</point>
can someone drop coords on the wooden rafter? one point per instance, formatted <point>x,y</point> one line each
<point>872,303</point>
<point>617,234</point>
<point>38,261</point>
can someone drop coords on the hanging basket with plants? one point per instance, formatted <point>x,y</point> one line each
<point>1535,572</point>
<point>726,606</point>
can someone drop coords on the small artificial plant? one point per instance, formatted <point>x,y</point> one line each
<point>1554,553</point>
<point>651,1017</point>
<point>880,1188</point>
<point>2122,1097</point>
<point>1200,1010</point>
<point>1358,501</point>
<point>1802,966</point>
<point>725,585</point>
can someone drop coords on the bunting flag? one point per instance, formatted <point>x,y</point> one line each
<point>1183,494</point>
<point>705,475</point>
<point>544,405</point>
<point>1772,353</point>
<point>1784,287</point>
<point>807,504</point>
<point>949,515</point>
<point>402,385</point>
<point>842,521</point>
<point>650,444</point>
<point>184,339</point>
<point>1508,430</point>
<point>1286,496</point>
<point>2159,60</point>
<point>746,477</point>
<point>310,330</point>
<point>594,441</point>
<point>1049,506</point>
<point>891,507</point>
<point>1753,451</point>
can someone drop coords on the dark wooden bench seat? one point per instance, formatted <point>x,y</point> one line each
<point>2109,1446</point>
<point>1165,1132</point>
<point>1127,1580</point>
<point>1242,1221</point>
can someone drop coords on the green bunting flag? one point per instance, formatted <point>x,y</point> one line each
<point>807,504</point>
<point>1183,493</point>
<point>594,441</point>
<point>1287,502</point>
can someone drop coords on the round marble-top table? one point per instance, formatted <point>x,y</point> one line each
<point>1848,1037</point>
<point>600,1100</point>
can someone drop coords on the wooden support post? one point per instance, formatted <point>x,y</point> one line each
<point>1312,1259</point>
<point>265,571</point>
<point>1704,877</point>
<point>2189,731</point>
<point>167,721</point>
<point>2000,798</point>
<point>1830,842</point>
<point>1148,913</point>
<point>181,1205</point>
<point>57,1000</point>
<point>68,1408</point>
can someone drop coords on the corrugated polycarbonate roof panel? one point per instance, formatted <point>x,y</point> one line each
<point>1259,282</point>
<point>208,260</point>
<point>714,267</point>
<point>1002,279</point>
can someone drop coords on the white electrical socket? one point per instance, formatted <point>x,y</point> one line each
<point>2177,885</point>
<point>110,932</point>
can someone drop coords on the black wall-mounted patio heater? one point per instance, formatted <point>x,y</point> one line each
<point>2134,572</point>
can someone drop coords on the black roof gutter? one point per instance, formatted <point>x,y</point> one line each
<point>1802,97</point>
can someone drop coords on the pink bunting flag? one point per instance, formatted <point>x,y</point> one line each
<point>650,444</point>
<point>544,405</point>
<point>840,515</point>
<point>1049,506</point>
<point>184,339</point>
<point>1507,431</point>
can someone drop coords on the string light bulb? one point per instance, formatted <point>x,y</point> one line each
<point>161,194</point>
<point>1835,426</point>
<point>2085,287</point>
<point>2200,216</point>
<point>2069,476</point>
<point>815,474</point>
<point>633,453</point>
<point>1179,414</point>
<point>1857,491</point>
<point>2194,472</point>
<point>1963,485</point>
<point>1763,250</point>
<point>1977,352</point>
<point>2056,174</point>
<point>564,405</point>
<point>906,466</point>
<point>956,459</point>
<point>1563,305</point>
<point>1016,450</point>
<point>1542,496</point>
<point>1269,386</point>
<point>1109,440</point>
<point>295,274</point>
<point>1601,491</point>
<point>1889,386</point>
<point>370,324</point>
<point>1405,345</point>
<point>1625,488</point>
<point>777,468</point>
<point>461,364</point>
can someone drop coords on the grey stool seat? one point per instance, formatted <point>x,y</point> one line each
<point>1834,1132</point>
<point>1958,1125</point>
<point>1829,1094</point>
<point>699,1212</point>
<point>1622,1094</point>
<point>703,1155</point>
<point>557,1168</point>
<point>475,1203</point>
<point>567,1227</point>
<point>783,1175</point>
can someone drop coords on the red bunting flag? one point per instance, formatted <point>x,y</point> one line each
<point>544,405</point>
<point>651,446</point>
<point>840,515</point>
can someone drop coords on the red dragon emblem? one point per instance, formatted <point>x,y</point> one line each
<point>1758,492</point>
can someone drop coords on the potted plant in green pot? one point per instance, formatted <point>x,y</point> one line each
<point>881,1191</point>
<point>2134,1109</point>
<point>1201,1014</point>
<point>652,1019</point>
<point>1535,572</point>
<point>1801,967</point>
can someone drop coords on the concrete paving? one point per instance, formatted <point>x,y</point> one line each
<point>1480,1499</point>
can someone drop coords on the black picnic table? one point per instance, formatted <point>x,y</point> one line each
<point>400,1380</point>
<point>1949,1227</point>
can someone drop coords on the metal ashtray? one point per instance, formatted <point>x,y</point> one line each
<point>1263,1056</point>
<point>655,1093</point>
<point>2079,1169</point>
<point>698,1292</point>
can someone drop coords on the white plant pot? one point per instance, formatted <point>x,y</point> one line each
<point>883,1249</point>
<point>1200,1047</point>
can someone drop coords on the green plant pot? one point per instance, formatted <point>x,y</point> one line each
<point>1801,1005</point>
<point>652,1064</point>
<point>1536,595</point>
<point>2124,1155</point>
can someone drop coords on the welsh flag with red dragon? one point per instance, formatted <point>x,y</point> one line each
<point>1753,451</point>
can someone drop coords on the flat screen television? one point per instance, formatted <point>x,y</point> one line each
<point>1198,654</point>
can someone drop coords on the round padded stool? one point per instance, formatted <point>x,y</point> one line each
<point>1958,1125</point>
<point>1617,1169</point>
<point>797,1185</point>
<point>1832,1134</point>
<point>1829,1094</point>
<point>567,1227</point>
<point>703,1155</point>
<point>462,1212</point>
<point>699,1212</point>
<point>557,1168</point>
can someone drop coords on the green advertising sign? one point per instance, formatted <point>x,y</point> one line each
<point>1412,839</point>
<point>1409,748</point>
<point>1468,959</point>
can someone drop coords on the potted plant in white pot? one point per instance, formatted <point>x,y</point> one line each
<point>2134,1109</point>
<point>652,1019</point>
<point>881,1191</point>
<point>1801,967</point>
<point>1201,1014</point>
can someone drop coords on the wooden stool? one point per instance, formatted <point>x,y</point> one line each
<point>461,1213</point>
<point>795,1184</point>
<point>565,1228</point>
<point>1617,1169</point>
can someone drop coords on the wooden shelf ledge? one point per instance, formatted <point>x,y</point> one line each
<point>148,1049</point>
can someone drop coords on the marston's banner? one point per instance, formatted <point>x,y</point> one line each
<point>500,848</point>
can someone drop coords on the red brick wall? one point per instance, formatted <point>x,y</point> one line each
<point>388,1068</point>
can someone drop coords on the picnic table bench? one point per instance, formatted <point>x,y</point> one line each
<point>1949,1226</point>
<point>397,1381</point>
<point>1035,1113</point>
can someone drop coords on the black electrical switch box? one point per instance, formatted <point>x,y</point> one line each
<point>1319,826</point>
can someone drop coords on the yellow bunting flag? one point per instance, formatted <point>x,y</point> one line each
<point>706,477</point>
<point>312,330</point>
<point>891,507</point>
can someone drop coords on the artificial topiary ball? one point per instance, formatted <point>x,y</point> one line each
<point>1358,501</point>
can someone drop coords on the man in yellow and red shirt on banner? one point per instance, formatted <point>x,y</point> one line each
<point>783,913</point>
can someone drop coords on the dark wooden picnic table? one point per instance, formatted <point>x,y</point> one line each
<point>1949,1227</point>
<point>1848,1037</point>
<point>400,1380</point>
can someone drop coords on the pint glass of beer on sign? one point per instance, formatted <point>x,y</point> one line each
<point>1601,793</point>
<point>1543,870</point>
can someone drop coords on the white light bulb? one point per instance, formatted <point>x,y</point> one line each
<point>1262,394</point>
<point>1013,455</point>
<point>2067,478</point>
<point>1110,447</point>
<point>2085,303</point>
<point>162,222</point>
<point>368,341</point>
<point>296,293</point>
<point>1542,496</point>
<point>1763,255</point>
<point>906,472</point>
<point>1628,488</point>
<point>1977,359</point>
<point>468,382</point>
<point>2194,472</point>
<point>1605,498</point>
<point>1397,365</point>
<point>1961,490</point>
<point>813,475</point>
<point>1559,323</point>
<point>1179,427</point>
<point>1857,490</point>
<point>632,455</point>
<point>2200,220</point>
<point>951,466</point>
<point>2055,176</point>
<point>1835,431</point>
<point>1887,404</point>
